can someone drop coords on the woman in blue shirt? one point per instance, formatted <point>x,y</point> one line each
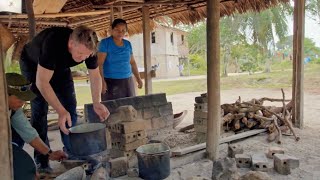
<point>117,64</point>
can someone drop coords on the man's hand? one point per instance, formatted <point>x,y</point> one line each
<point>104,87</point>
<point>64,117</point>
<point>58,155</point>
<point>101,110</point>
<point>140,83</point>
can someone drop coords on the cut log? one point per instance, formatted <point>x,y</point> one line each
<point>236,124</point>
<point>228,118</point>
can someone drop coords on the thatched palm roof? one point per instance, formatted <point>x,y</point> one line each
<point>96,13</point>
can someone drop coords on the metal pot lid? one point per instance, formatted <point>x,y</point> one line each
<point>87,127</point>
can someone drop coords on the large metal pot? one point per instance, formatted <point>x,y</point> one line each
<point>88,139</point>
<point>154,161</point>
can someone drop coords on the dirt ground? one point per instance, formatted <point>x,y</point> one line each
<point>307,149</point>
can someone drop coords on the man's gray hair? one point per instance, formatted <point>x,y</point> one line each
<point>85,36</point>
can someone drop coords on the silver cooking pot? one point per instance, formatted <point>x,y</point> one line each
<point>87,139</point>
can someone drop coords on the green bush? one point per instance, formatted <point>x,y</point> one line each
<point>198,66</point>
<point>281,65</point>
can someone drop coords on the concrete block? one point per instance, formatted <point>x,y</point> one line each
<point>127,113</point>
<point>260,162</point>
<point>225,169</point>
<point>243,160</point>
<point>234,149</point>
<point>159,99</point>
<point>200,121</point>
<point>201,107</point>
<point>200,128</point>
<point>128,138</point>
<point>115,153</point>
<point>274,150</point>
<point>129,146</point>
<point>200,114</point>
<point>201,137</point>
<point>128,127</point>
<point>149,113</point>
<point>118,167</point>
<point>148,124</point>
<point>165,110</point>
<point>284,163</point>
<point>147,101</point>
<point>158,123</point>
<point>133,172</point>
<point>162,122</point>
<point>138,102</point>
<point>201,99</point>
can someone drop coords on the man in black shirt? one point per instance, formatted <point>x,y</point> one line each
<point>46,62</point>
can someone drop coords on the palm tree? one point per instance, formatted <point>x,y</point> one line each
<point>263,27</point>
<point>313,7</point>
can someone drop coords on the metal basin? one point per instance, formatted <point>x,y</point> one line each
<point>88,139</point>
<point>154,161</point>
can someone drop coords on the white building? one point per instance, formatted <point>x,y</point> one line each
<point>168,50</point>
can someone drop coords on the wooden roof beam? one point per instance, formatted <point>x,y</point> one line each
<point>57,23</point>
<point>57,15</point>
<point>148,4</point>
<point>107,15</point>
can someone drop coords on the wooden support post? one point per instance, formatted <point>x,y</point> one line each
<point>147,49</point>
<point>31,19</point>
<point>213,78</point>
<point>120,12</point>
<point>6,166</point>
<point>111,16</point>
<point>298,71</point>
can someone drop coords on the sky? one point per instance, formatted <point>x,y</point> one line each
<point>311,29</point>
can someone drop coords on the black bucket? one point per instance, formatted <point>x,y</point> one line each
<point>88,139</point>
<point>154,161</point>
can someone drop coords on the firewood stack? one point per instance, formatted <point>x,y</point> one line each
<point>240,116</point>
<point>128,134</point>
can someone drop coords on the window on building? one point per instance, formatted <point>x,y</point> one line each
<point>182,39</point>
<point>153,37</point>
<point>171,37</point>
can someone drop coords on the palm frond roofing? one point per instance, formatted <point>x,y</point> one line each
<point>180,11</point>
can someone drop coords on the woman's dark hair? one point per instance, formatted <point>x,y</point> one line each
<point>118,21</point>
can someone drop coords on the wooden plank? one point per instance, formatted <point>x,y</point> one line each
<point>6,171</point>
<point>111,16</point>
<point>57,23</point>
<point>213,81</point>
<point>39,6</point>
<point>55,6</point>
<point>147,49</point>
<point>57,15</point>
<point>107,15</point>
<point>299,17</point>
<point>201,146</point>
<point>31,20</point>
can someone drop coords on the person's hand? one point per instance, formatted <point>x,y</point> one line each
<point>58,155</point>
<point>140,83</point>
<point>64,117</point>
<point>104,87</point>
<point>101,110</point>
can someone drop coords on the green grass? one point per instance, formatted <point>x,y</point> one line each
<point>276,79</point>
